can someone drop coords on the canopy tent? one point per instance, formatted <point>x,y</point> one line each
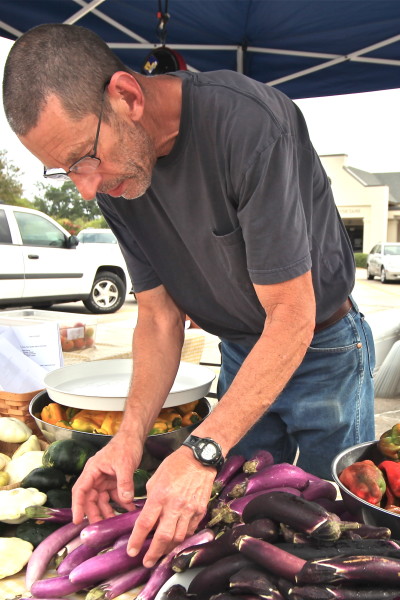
<point>306,48</point>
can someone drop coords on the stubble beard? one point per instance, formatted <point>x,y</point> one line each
<point>133,142</point>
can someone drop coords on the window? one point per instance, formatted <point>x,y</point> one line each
<point>37,231</point>
<point>5,234</point>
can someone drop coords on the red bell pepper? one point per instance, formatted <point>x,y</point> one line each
<point>391,470</point>
<point>365,480</point>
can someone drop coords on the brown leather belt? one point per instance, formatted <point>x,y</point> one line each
<point>337,315</point>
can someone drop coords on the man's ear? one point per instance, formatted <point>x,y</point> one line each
<point>126,95</point>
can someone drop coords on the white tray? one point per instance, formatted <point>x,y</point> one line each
<point>104,384</point>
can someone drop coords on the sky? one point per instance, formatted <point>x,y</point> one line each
<point>366,127</point>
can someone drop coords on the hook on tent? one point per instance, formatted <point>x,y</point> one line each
<point>163,59</point>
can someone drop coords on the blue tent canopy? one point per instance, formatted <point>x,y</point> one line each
<point>306,48</point>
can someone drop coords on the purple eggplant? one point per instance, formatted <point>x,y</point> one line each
<point>163,571</point>
<point>343,547</point>
<point>216,576</point>
<point>232,511</point>
<point>297,512</point>
<point>253,580</point>
<point>234,596</point>
<point>109,529</point>
<point>45,513</point>
<point>371,570</point>
<point>45,551</point>
<point>314,592</point>
<point>78,556</point>
<point>263,458</point>
<point>270,557</point>
<point>175,592</point>
<point>107,590</point>
<point>292,536</point>
<point>369,532</point>
<point>319,488</point>
<point>54,586</point>
<point>106,565</point>
<point>229,469</point>
<point>208,553</point>
<point>274,476</point>
<point>121,541</point>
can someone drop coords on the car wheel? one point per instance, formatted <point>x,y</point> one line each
<point>107,295</point>
<point>383,275</point>
<point>369,274</point>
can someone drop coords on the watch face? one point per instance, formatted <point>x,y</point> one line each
<point>209,452</point>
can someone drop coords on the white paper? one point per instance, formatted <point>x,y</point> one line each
<point>27,354</point>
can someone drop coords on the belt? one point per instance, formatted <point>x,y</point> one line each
<point>337,315</point>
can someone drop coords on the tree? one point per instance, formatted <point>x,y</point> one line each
<point>10,188</point>
<point>65,202</point>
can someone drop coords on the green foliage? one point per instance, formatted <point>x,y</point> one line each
<point>361,260</point>
<point>65,202</point>
<point>10,187</point>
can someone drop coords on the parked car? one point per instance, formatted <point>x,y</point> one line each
<point>384,261</point>
<point>96,236</point>
<point>42,264</point>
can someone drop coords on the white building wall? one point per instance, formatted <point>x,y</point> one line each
<point>358,203</point>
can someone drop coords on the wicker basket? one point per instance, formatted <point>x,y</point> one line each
<point>17,406</point>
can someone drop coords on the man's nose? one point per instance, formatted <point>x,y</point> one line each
<point>87,185</point>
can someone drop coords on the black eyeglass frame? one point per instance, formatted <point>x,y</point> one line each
<point>95,160</point>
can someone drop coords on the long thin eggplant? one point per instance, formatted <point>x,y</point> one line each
<point>163,571</point>
<point>230,468</point>
<point>319,488</point>
<point>303,515</point>
<point>232,511</point>
<point>262,458</point>
<point>45,551</point>
<point>109,529</point>
<point>343,547</point>
<point>372,570</point>
<point>78,556</point>
<point>270,557</point>
<point>216,576</point>
<point>54,586</point>
<point>253,580</point>
<point>310,592</point>
<point>113,587</point>
<point>45,513</point>
<point>279,475</point>
<point>106,565</point>
<point>208,553</point>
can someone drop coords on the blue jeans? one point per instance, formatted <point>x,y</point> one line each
<point>327,405</point>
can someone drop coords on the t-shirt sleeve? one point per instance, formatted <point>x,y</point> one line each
<point>274,195</point>
<point>142,274</point>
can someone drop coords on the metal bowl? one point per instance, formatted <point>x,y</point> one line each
<point>156,448</point>
<point>368,513</point>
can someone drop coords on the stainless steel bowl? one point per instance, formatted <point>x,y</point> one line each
<point>156,448</point>
<point>368,513</point>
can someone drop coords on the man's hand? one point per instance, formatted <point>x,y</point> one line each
<point>177,498</point>
<point>107,475</point>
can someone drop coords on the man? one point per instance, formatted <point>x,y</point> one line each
<point>224,212</point>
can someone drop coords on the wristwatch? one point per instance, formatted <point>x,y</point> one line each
<point>206,451</point>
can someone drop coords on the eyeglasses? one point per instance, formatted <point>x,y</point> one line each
<point>85,165</point>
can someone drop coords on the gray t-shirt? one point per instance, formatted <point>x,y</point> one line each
<point>242,198</point>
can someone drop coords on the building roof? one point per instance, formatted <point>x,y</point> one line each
<point>392,180</point>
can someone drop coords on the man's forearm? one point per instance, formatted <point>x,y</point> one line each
<point>156,357</point>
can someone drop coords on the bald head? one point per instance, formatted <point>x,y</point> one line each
<point>69,61</point>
